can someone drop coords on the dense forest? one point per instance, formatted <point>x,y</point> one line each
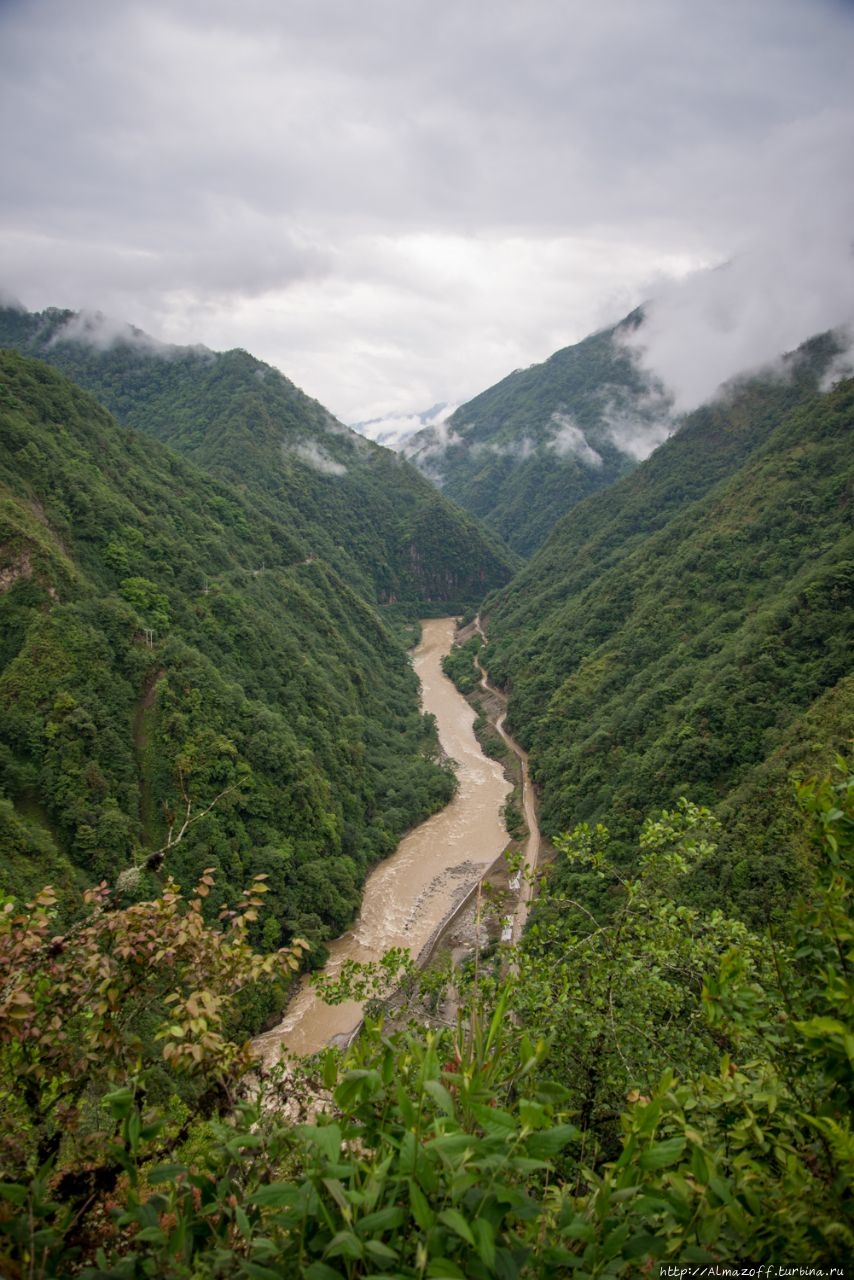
<point>209,732</point>
<point>364,511</point>
<point>695,629</point>
<point>167,647</point>
<point>521,454</point>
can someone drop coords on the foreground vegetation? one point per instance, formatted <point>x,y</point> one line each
<point>673,1088</point>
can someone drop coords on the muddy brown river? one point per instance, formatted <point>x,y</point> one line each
<point>408,896</point>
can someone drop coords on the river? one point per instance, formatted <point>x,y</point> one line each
<point>409,895</point>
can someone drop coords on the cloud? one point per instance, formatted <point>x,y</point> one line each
<point>569,441</point>
<point>842,366</point>
<point>94,329</point>
<point>638,428</point>
<point>397,210</point>
<point>398,431</point>
<point>791,278</point>
<point>316,457</point>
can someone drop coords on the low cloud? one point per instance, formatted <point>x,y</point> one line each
<point>570,441</point>
<point>398,430</point>
<point>94,329</point>
<point>842,366</point>
<point>311,453</point>
<point>638,424</point>
<point>519,450</point>
<point>745,315</point>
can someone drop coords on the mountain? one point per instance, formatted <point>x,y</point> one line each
<point>360,508</point>
<point>523,453</point>
<point>691,627</point>
<point>167,650</point>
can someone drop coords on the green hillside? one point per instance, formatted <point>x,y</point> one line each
<point>368,514</point>
<point>679,631</point>
<point>523,453</point>
<point>167,646</point>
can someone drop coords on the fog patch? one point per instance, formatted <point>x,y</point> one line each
<point>517,450</point>
<point>741,318</point>
<point>842,365</point>
<point>409,433</point>
<point>637,424</point>
<point>102,333</point>
<point>428,446</point>
<point>570,441</point>
<point>311,453</point>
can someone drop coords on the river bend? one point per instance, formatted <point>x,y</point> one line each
<point>409,895</point>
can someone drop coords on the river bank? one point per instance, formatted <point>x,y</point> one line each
<point>423,886</point>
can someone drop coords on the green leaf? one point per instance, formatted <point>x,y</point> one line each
<point>330,1069</point>
<point>484,1234</point>
<point>275,1195</point>
<point>645,1246</point>
<point>345,1244</point>
<point>381,1220</point>
<point>154,1235</point>
<point>442,1269</point>
<point>317,1271</point>
<point>454,1219</point>
<point>548,1142</point>
<point>339,1194</point>
<point>326,1137</point>
<point>493,1120</point>
<point>533,1114</point>
<point>165,1173</point>
<point>662,1154</point>
<point>256,1272</point>
<point>440,1096</point>
<point>380,1252</point>
<point>448,1145</point>
<point>13,1192</point>
<point>421,1211</point>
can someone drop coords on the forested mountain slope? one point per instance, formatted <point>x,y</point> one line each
<point>689,631</point>
<point>361,508</point>
<point>165,646</point>
<point>524,452</point>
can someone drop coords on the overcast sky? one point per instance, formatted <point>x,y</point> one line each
<point>398,202</point>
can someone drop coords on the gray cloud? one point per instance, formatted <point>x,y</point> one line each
<point>316,457</point>
<point>397,430</point>
<point>796,281</point>
<point>94,329</point>
<point>397,207</point>
<point>569,441</point>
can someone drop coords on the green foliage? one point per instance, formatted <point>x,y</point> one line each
<point>459,665</point>
<point>359,508</point>
<point>127,996</point>
<point>519,455</point>
<point>726,1062</point>
<point>672,633</point>
<point>151,666</point>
